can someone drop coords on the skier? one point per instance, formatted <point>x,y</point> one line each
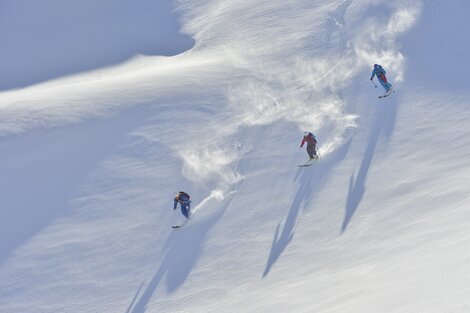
<point>380,73</point>
<point>183,199</point>
<point>311,145</point>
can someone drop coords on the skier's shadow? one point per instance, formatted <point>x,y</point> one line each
<point>311,180</point>
<point>383,127</point>
<point>183,249</point>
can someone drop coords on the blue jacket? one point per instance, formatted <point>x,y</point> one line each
<point>181,199</point>
<point>379,71</point>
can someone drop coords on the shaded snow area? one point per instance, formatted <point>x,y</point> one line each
<point>109,108</point>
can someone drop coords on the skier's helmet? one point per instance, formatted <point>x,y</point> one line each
<point>376,65</point>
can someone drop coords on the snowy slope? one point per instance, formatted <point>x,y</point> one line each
<point>91,160</point>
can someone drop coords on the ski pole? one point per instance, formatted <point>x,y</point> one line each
<point>373,83</point>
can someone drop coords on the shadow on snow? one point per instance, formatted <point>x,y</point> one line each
<point>183,249</point>
<point>44,40</point>
<point>311,180</point>
<point>383,126</point>
<point>38,178</point>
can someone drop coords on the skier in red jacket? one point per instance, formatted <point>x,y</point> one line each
<point>311,145</point>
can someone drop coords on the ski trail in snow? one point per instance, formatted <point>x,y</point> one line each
<point>215,195</point>
<point>336,25</point>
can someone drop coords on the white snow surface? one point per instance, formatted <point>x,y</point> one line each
<point>108,108</point>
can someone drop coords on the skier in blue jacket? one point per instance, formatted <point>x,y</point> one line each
<point>380,73</point>
<point>183,199</point>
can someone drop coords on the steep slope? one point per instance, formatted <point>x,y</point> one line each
<point>378,225</point>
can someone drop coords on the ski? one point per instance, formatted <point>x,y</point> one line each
<point>184,223</point>
<point>387,94</point>
<point>309,162</point>
<point>179,226</point>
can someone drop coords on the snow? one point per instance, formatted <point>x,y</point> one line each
<point>212,97</point>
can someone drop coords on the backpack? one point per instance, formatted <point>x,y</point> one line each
<point>182,193</point>
<point>314,139</point>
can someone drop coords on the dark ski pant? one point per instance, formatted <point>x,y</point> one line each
<point>185,209</point>
<point>311,150</point>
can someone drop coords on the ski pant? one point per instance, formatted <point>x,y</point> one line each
<point>185,209</point>
<point>387,86</point>
<point>311,150</point>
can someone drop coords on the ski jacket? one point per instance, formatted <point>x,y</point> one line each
<point>310,139</point>
<point>181,198</point>
<point>380,72</point>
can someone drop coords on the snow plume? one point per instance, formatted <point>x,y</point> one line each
<point>208,161</point>
<point>307,86</point>
<point>298,68</point>
<point>282,77</point>
<point>375,40</point>
<point>216,194</point>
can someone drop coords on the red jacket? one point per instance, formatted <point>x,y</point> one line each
<point>310,139</point>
